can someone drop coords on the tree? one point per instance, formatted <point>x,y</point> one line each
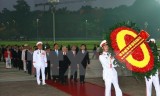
<point>22,18</point>
<point>22,7</point>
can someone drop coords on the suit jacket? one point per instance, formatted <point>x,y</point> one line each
<point>65,62</point>
<point>14,53</point>
<point>48,57</point>
<point>83,58</point>
<point>39,59</point>
<point>54,58</point>
<point>73,59</point>
<point>29,56</point>
<point>19,54</point>
<point>26,53</point>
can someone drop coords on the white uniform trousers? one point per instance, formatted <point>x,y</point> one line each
<point>8,63</point>
<point>155,81</point>
<point>38,74</point>
<point>24,65</point>
<point>108,82</point>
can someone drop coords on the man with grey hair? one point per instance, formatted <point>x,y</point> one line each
<point>63,65</point>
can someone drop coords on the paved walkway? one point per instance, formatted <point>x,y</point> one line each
<point>10,74</point>
<point>17,83</point>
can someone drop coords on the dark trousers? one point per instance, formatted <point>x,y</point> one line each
<point>29,67</point>
<point>82,77</point>
<point>63,74</point>
<point>12,62</point>
<point>55,73</point>
<point>48,71</point>
<point>15,62</point>
<point>0,57</point>
<point>55,77</point>
<point>75,75</point>
<point>20,64</point>
<point>82,72</point>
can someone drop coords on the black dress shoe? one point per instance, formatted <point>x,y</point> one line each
<point>55,81</point>
<point>75,80</point>
<point>82,82</point>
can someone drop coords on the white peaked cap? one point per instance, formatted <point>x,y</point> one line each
<point>153,40</point>
<point>39,43</point>
<point>25,44</point>
<point>102,43</point>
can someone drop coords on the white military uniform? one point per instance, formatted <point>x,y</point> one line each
<point>109,74</point>
<point>23,59</point>
<point>155,80</point>
<point>40,62</point>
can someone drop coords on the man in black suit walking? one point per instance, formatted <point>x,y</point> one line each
<point>47,70</point>
<point>72,55</point>
<point>29,60</point>
<point>63,65</point>
<point>84,60</point>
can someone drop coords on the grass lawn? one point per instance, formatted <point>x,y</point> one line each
<point>89,44</point>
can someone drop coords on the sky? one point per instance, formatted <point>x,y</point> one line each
<point>71,6</point>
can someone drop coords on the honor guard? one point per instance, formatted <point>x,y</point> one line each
<point>109,72</point>
<point>40,62</point>
<point>153,79</point>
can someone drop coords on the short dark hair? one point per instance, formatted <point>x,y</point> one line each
<point>83,45</point>
<point>73,46</point>
<point>55,44</point>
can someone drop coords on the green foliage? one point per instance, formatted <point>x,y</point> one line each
<point>153,47</point>
<point>72,24</point>
<point>22,6</point>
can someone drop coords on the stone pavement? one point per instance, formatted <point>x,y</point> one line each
<point>17,83</point>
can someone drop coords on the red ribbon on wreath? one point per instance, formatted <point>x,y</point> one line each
<point>132,49</point>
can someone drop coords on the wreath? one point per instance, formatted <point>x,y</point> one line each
<point>142,60</point>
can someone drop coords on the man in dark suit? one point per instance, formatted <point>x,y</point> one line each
<point>13,60</point>
<point>3,50</point>
<point>14,51</point>
<point>72,55</point>
<point>47,70</point>
<point>20,63</point>
<point>55,56</point>
<point>84,60</point>
<point>29,58</point>
<point>63,65</point>
<point>0,53</point>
